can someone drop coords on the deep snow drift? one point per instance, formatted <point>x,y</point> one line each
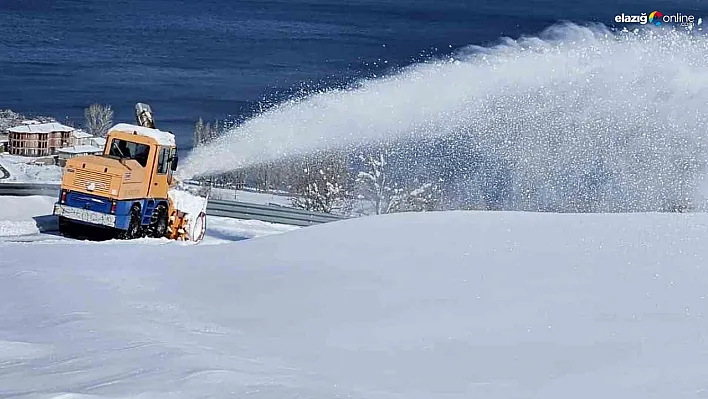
<point>622,112</point>
<point>453,305</point>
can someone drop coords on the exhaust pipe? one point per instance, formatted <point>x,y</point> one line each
<point>143,114</point>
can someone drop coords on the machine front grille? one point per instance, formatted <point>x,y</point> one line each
<point>91,181</point>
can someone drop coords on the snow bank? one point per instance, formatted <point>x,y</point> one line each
<point>226,229</point>
<point>24,208</point>
<point>10,228</point>
<point>453,305</point>
<point>22,215</point>
<point>22,170</point>
<point>38,173</point>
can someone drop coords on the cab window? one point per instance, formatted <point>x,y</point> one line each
<point>173,159</point>
<point>162,164</point>
<point>129,150</point>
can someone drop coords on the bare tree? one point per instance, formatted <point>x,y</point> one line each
<point>8,119</point>
<point>425,197</point>
<point>387,195</point>
<point>262,176</point>
<point>204,133</point>
<point>198,132</point>
<point>214,131</point>
<point>320,183</point>
<point>374,182</point>
<point>99,119</point>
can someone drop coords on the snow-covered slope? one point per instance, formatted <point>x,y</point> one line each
<point>22,170</point>
<point>448,305</point>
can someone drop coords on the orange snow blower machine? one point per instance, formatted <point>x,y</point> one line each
<point>130,189</point>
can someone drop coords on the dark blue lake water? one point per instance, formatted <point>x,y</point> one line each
<point>217,58</point>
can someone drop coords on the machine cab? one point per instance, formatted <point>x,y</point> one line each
<point>137,163</point>
<point>147,153</point>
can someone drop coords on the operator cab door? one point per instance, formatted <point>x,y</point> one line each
<point>172,161</point>
<point>160,184</point>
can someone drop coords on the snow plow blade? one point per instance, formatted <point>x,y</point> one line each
<point>187,213</point>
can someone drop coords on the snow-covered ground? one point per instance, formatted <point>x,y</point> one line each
<point>22,170</point>
<point>29,219</point>
<point>221,229</point>
<point>445,305</point>
<point>22,216</point>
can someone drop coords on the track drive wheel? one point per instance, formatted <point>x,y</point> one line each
<point>159,222</point>
<point>135,230</point>
<point>66,227</point>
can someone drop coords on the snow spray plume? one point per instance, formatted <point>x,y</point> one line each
<point>629,108</point>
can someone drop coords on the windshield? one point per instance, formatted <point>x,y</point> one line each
<point>130,150</point>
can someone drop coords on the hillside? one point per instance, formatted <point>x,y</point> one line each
<point>453,305</point>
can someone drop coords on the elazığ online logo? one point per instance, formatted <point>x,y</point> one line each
<point>657,18</point>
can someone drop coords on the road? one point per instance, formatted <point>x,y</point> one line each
<point>4,172</point>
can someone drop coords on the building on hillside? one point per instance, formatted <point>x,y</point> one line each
<point>38,139</point>
<point>30,122</point>
<point>3,142</point>
<point>75,151</point>
<point>79,137</point>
